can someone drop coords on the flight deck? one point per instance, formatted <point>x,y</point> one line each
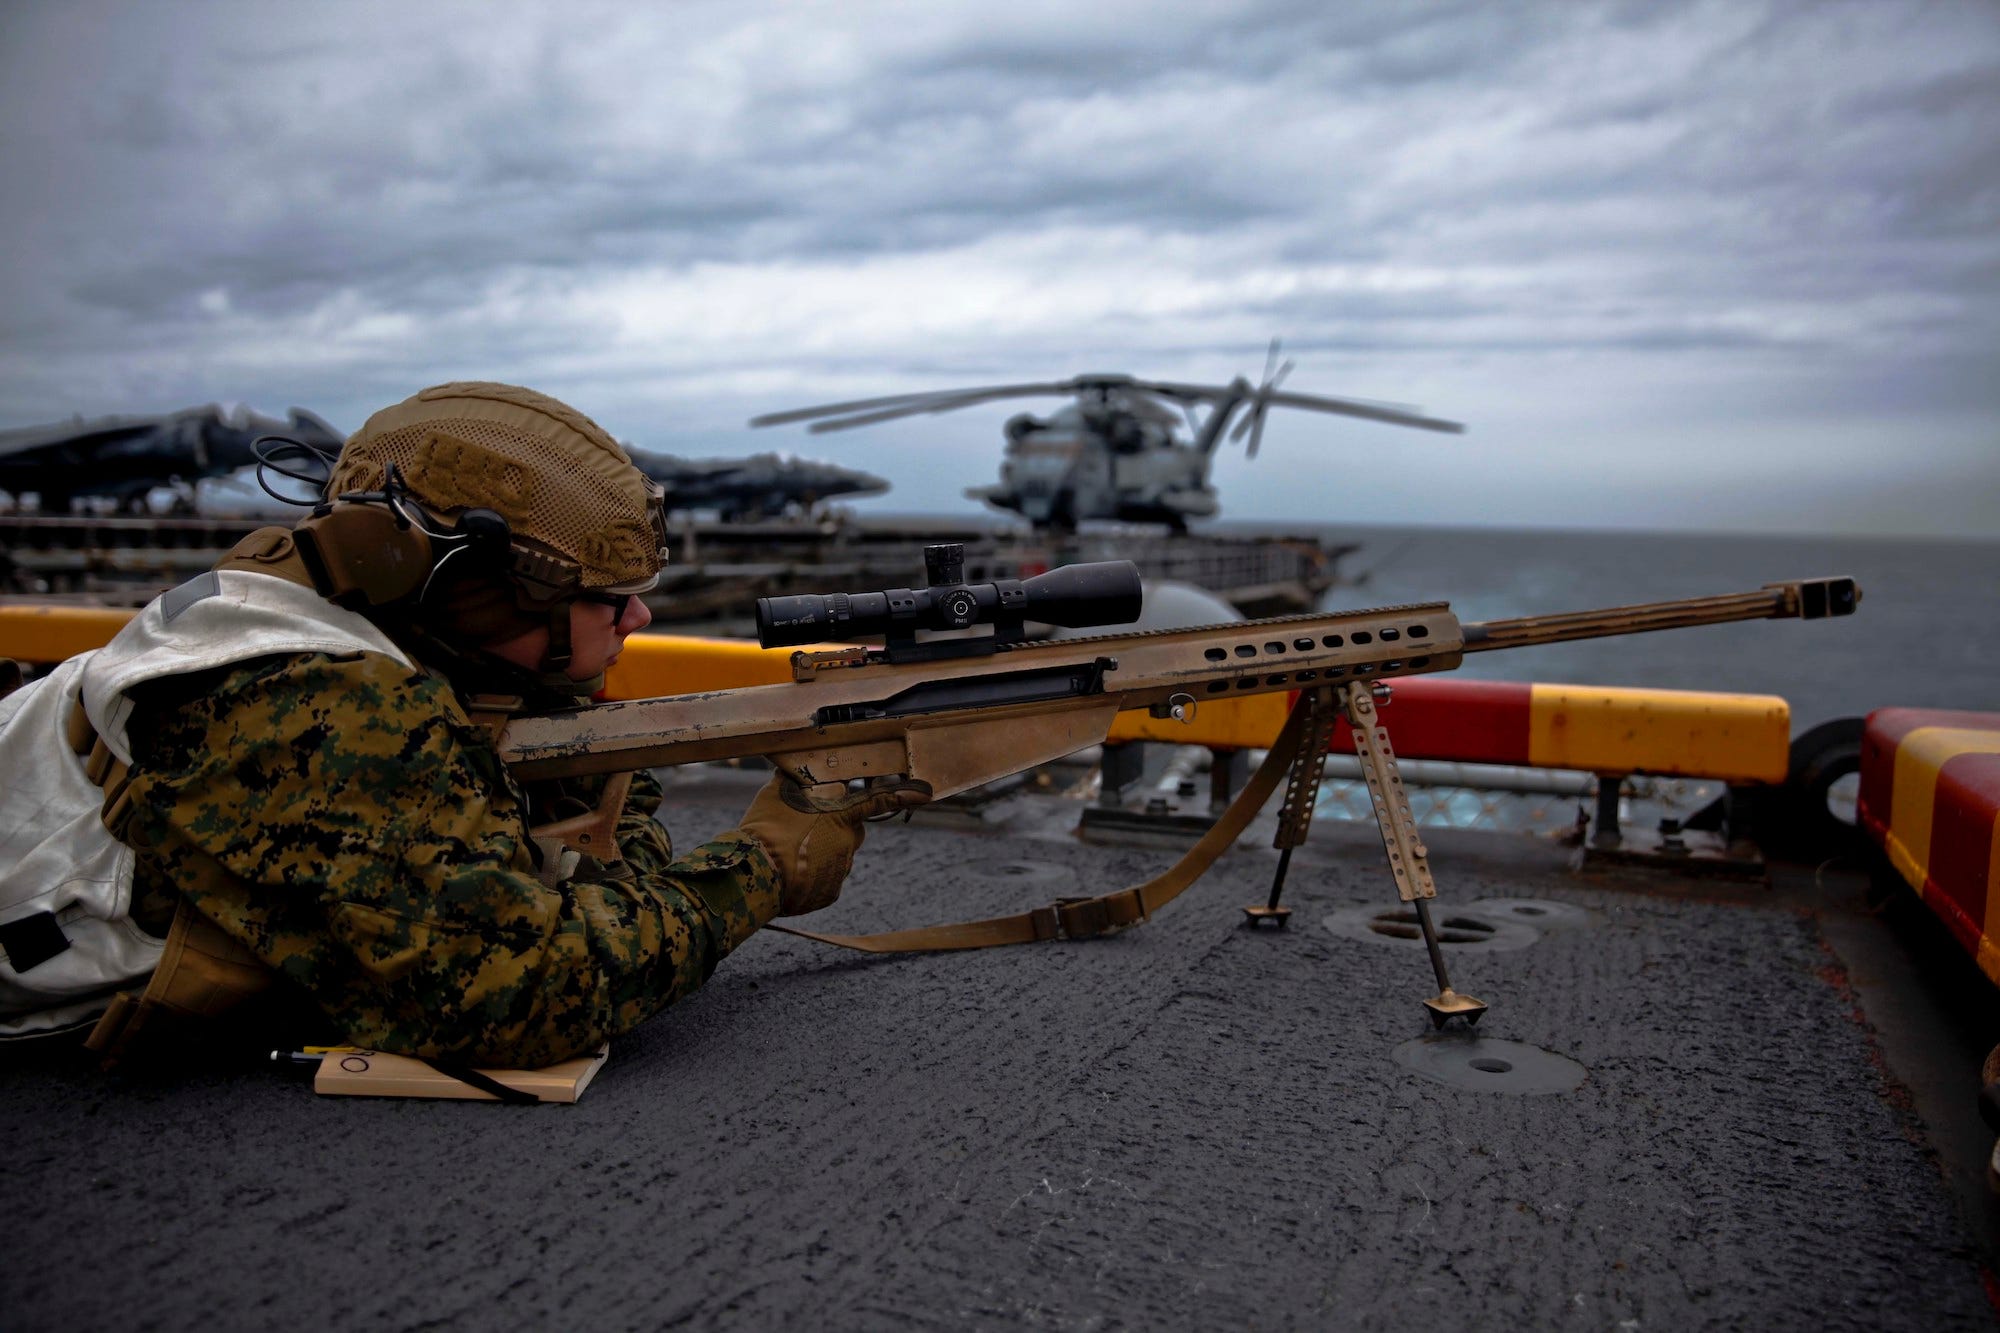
<point>1693,1103</point>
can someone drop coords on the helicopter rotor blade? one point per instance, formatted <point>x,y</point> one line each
<point>1252,423</point>
<point>900,403</point>
<point>1394,414</point>
<point>1243,423</point>
<point>1208,392</point>
<point>1256,437</point>
<point>828,417</point>
<point>931,405</point>
<point>834,409</point>
<point>1264,392</point>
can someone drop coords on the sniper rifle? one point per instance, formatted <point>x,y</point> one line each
<point>956,712</point>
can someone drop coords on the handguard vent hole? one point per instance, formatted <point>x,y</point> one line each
<point>1363,636</point>
<point>1332,641</point>
<point>1216,654</point>
<point>1274,647</point>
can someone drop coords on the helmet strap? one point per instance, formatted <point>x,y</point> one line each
<point>555,658</point>
<point>475,671</point>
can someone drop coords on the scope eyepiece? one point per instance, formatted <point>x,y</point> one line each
<point>1074,596</point>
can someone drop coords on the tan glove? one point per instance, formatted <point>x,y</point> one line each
<point>813,842</point>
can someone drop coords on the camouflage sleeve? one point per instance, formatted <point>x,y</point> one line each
<point>345,820</point>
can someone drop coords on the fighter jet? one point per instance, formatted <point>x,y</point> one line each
<point>124,459</point>
<point>761,486</point>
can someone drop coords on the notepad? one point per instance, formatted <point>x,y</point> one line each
<point>353,1072</point>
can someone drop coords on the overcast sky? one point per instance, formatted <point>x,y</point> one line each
<point>1730,265</point>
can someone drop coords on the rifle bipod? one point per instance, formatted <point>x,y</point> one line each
<point>1409,859</point>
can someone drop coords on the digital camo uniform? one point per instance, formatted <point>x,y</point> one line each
<point>347,821</point>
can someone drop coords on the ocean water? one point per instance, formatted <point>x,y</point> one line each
<point>1927,633</point>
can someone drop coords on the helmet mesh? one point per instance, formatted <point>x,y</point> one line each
<point>557,478</point>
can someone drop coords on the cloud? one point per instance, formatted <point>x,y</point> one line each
<point>681,215</point>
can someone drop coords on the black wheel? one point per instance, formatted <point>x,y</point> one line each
<point>1819,816</point>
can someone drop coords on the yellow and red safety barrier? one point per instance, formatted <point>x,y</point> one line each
<point>1600,729</point>
<point>1930,798</point>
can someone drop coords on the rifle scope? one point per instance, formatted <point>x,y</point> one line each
<point>1074,596</point>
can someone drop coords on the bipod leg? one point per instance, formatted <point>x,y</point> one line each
<point>1409,859</point>
<point>1301,793</point>
<point>1270,911</point>
<point>1447,1004</point>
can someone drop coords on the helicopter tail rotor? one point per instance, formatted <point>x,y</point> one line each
<point>1260,403</point>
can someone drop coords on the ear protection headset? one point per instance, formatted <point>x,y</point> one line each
<point>372,549</point>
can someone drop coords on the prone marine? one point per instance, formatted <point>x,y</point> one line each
<point>280,778</point>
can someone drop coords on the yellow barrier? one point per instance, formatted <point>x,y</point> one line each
<point>1604,729</point>
<point>656,664</point>
<point>45,635</point>
<point>1249,723</point>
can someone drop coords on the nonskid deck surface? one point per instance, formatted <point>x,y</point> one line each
<point>1189,1125</point>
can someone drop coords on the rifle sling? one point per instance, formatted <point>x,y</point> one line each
<point>1087,918</point>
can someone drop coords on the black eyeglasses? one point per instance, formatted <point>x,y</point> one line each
<point>619,602</point>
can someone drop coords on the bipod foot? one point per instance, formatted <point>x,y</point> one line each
<point>1258,915</point>
<point>1448,1004</point>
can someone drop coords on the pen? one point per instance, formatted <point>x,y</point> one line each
<point>310,1055</point>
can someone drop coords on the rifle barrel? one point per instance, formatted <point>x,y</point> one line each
<point>1803,599</point>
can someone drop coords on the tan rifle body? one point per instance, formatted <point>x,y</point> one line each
<point>961,722</point>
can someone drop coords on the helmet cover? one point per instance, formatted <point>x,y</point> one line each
<point>563,484</point>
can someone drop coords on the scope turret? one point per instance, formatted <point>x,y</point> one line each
<point>1074,596</point>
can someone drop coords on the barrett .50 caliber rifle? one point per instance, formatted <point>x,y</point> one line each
<point>956,712</point>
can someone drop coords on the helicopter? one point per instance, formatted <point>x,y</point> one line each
<point>1118,451</point>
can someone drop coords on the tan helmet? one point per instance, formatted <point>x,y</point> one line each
<point>564,486</point>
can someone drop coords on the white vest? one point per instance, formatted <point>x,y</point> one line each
<point>55,855</point>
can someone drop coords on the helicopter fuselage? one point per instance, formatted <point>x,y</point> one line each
<point>1104,458</point>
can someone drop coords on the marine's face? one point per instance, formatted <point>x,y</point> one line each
<point>597,634</point>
